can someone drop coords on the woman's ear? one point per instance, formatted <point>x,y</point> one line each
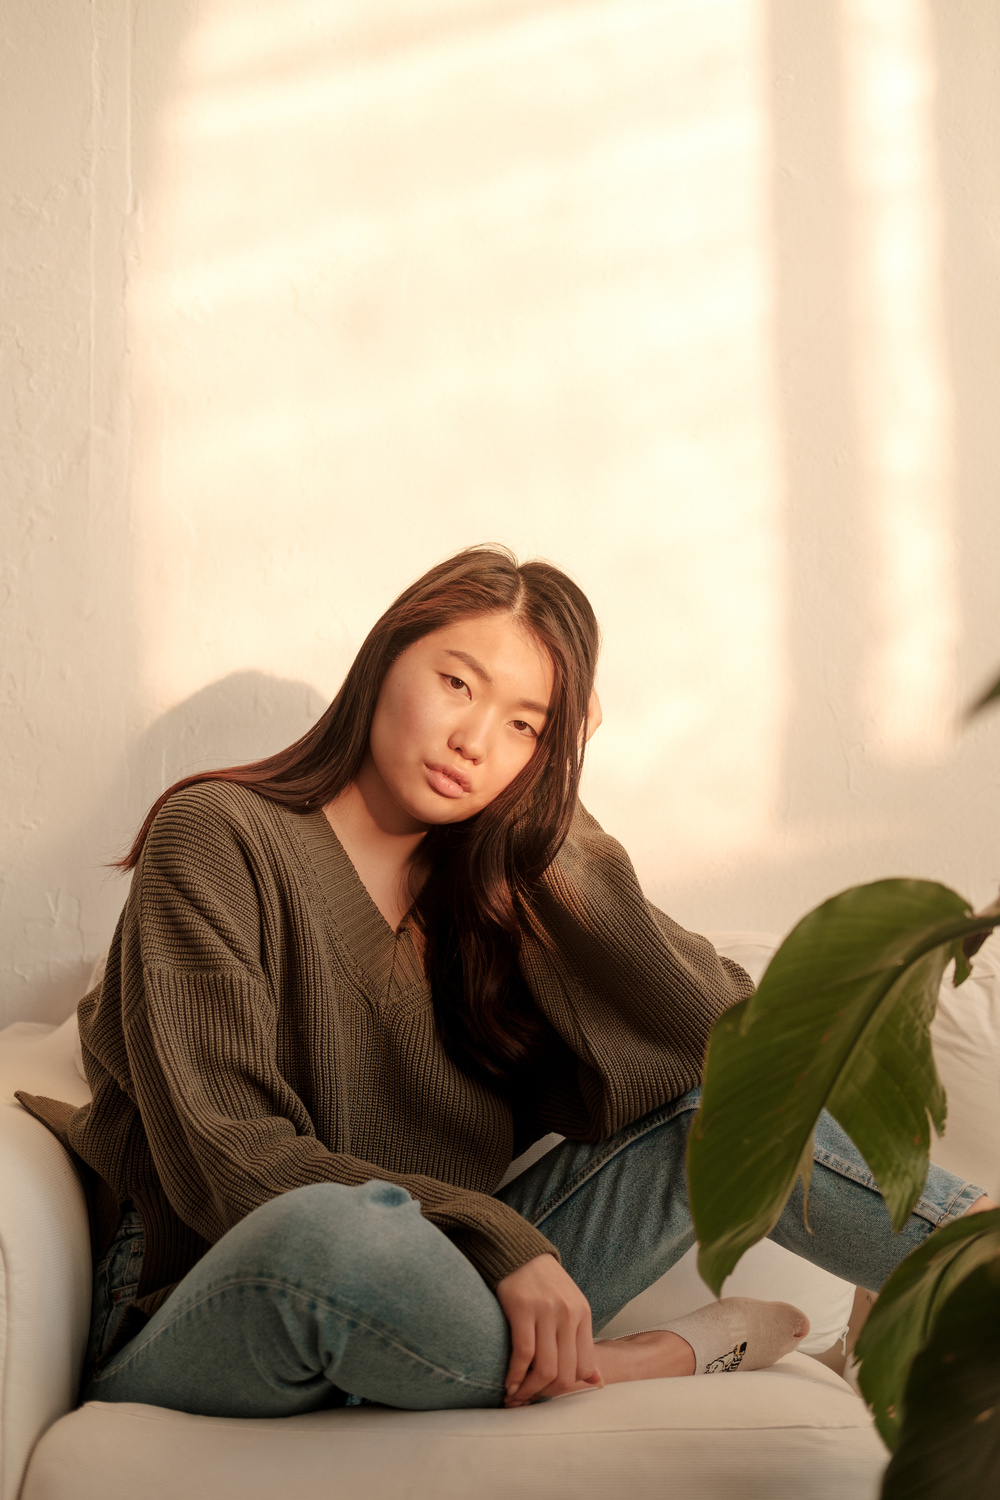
<point>594,714</point>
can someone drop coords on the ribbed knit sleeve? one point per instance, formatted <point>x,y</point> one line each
<point>200,1015</point>
<point>632,994</point>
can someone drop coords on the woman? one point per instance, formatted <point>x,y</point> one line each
<point>351,982</point>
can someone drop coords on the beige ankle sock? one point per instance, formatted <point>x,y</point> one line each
<point>739,1333</point>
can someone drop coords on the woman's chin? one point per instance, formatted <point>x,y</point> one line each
<point>439,816</point>
<point>435,810</point>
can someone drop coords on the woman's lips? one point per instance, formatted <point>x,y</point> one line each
<point>448,781</point>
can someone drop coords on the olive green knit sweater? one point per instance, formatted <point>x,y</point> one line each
<point>260,1027</point>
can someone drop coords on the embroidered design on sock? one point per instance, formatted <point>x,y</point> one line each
<point>727,1362</point>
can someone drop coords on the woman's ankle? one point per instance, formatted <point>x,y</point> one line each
<point>656,1354</point>
<point>981,1206</point>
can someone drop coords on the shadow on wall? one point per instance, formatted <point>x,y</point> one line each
<point>240,718</point>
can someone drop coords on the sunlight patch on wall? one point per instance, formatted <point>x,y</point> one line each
<point>416,276</point>
<point>902,376</point>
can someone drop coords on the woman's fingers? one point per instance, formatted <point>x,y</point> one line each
<point>522,1334</point>
<point>586,1359</point>
<point>550,1328</point>
<point>543,1377</point>
<point>574,1358</point>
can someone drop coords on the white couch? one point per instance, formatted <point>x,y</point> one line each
<point>797,1429</point>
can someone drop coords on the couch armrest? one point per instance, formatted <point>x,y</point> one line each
<point>45,1264</point>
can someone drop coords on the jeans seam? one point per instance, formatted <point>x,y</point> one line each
<point>948,1214</point>
<point>260,1282</point>
<point>927,1210</point>
<point>617,1143</point>
<point>845,1168</point>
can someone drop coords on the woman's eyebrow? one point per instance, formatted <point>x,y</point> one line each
<point>480,671</point>
<point>470,661</point>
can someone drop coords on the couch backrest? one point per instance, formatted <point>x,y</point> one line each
<point>45,1270</point>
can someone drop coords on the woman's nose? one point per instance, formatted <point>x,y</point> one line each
<point>469,740</point>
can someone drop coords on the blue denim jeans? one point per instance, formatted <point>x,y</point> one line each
<point>330,1289</point>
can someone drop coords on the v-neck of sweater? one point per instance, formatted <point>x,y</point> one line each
<point>387,960</point>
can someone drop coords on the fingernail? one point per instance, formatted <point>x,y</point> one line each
<point>513,1389</point>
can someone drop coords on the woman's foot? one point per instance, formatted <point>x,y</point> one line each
<point>644,1356</point>
<point>735,1333</point>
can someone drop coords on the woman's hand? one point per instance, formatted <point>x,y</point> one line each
<point>550,1330</point>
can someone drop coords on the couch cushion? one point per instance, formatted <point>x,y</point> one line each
<point>45,1274</point>
<point>796,1429</point>
<point>966,1037</point>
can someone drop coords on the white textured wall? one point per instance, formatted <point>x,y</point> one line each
<point>698,298</point>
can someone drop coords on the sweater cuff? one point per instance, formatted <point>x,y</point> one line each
<point>501,1244</point>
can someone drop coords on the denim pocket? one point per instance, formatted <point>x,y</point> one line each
<point>116,1280</point>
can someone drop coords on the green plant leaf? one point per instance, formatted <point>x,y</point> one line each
<point>840,1021</point>
<point>908,1307</point>
<point>950,1439</point>
<point>991,695</point>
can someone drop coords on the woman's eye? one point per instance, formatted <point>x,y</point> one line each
<point>523,727</point>
<point>457,684</point>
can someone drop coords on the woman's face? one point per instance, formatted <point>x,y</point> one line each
<point>460,713</point>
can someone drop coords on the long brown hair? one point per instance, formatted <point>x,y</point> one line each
<point>481,871</point>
